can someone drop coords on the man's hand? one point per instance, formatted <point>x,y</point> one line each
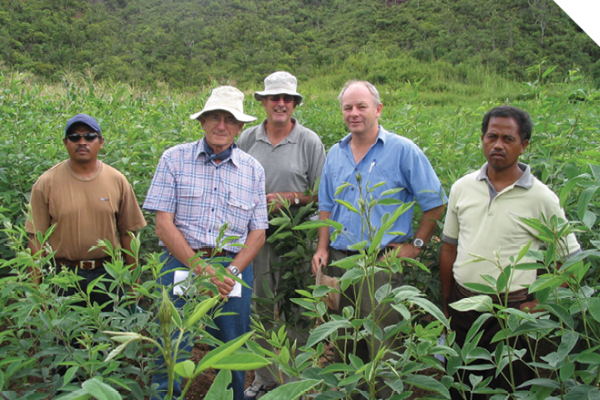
<point>319,260</point>
<point>407,250</point>
<point>225,287</point>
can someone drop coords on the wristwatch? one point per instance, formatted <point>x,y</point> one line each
<point>418,243</point>
<point>234,270</point>
<point>296,199</point>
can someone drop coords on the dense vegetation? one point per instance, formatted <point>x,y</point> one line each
<point>36,321</point>
<point>190,44</point>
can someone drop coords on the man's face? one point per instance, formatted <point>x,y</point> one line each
<point>279,108</point>
<point>221,128</point>
<point>359,111</point>
<point>82,151</point>
<point>502,144</point>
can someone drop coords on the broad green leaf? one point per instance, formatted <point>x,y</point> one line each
<point>474,303</point>
<point>348,205</point>
<point>567,343</point>
<point>566,371</point>
<point>594,308</point>
<point>561,312</point>
<point>584,200</point>
<point>219,389</point>
<point>214,356</point>
<point>323,331</point>
<point>427,383</point>
<point>311,225</point>
<point>100,390</point>
<point>431,309</point>
<point>68,375</point>
<point>80,394</point>
<point>241,362</point>
<point>185,368</point>
<point>201,310</point>
<point>341,187</point>
<point>589,356</point>
<point>291,391</point>
<point>480,288</point>
<point>388,202</point>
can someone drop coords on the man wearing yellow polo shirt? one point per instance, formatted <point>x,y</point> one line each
<point>484,218</point>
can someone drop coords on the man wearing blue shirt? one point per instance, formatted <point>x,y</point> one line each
<point>379,156</point>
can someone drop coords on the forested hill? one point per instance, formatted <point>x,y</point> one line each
<point>190,43</point>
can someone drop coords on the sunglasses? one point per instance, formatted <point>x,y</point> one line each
<point>89,137</point>
<point>286,98</point>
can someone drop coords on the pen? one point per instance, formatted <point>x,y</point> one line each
<point>372,165</point>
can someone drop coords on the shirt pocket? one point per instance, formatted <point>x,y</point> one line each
<point>190,202</point>
<point>239,213</point>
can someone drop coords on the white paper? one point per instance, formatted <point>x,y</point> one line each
<point>182,276</point>
<point>237,288</point>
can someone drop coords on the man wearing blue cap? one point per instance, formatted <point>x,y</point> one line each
<point>88,201</point>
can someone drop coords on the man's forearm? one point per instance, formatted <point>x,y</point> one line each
<point>303,199</point>
<point>254,241</point>
<point>172,237</point>
<point>428,223</point>
<point>324,232</point>
<point>447,259</point>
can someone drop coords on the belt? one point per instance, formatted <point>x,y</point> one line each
<point>516,296</point>
<point>210,252</point>
<point>82,264</point>
<point>349,253</point>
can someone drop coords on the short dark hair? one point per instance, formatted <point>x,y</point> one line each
<point>521,117</point>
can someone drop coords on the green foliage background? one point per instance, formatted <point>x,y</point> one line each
<point>191,44</point>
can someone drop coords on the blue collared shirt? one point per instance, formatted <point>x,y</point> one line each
<point>204,195</point>
<point>392,159</point>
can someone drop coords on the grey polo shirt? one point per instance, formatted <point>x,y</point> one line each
<point>293,165</point>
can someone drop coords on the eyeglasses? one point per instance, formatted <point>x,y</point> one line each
<point>286,98</point>
<point>89,137</point>
<point>216,118</point>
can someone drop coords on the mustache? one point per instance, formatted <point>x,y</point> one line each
<point>84,147</point>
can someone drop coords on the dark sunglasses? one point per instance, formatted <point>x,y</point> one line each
<point>89,137</point>
<point>286,98</point>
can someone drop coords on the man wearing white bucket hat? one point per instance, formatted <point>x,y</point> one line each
<point>198,188</point>
<point>293,157</point>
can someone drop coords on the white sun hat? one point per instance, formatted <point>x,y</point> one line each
<point>226,98</point>
<point>280,82</point>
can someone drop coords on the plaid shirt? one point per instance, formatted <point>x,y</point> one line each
<point>204,195</point>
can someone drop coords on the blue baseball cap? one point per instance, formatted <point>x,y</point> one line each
<point>83,119</point>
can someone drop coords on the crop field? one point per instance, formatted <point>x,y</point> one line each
<point>139,125</point>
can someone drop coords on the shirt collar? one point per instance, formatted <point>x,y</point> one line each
<point>208,155</point>
<point>382,136</point>
<point>291,138</point>
<point>525,181</point>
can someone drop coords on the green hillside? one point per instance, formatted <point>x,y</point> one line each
<point>191,44</point>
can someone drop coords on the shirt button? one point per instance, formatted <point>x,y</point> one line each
<point>212,209</point>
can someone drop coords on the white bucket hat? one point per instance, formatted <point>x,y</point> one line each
<point>226,98</point>
<point>279,82</point>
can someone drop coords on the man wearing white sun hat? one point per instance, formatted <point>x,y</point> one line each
<point>293,157</point>
<point>199,187</point>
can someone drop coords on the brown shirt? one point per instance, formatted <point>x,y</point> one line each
<point>84,210</point>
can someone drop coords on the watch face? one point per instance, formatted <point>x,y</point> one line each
<point>234,271</point>
<point>296,201</point>
<point>418,243</point>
